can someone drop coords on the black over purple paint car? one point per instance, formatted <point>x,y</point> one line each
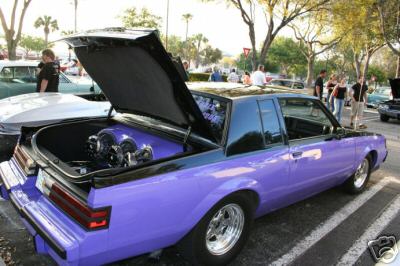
<point>176,167</point>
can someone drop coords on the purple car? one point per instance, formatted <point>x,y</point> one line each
<point>175,167</point>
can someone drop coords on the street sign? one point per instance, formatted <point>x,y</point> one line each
<point>246,52</point>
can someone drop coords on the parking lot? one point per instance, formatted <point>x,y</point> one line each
<point>332,228</point>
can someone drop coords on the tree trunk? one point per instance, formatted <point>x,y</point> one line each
<point>310,70</point>
<point>198,55</point>
<point>76,15</point>
<point>357,65</point>
<point>366,65</point>
<point>12,50</point>
<point>398,67</point>
<point>46,39</point>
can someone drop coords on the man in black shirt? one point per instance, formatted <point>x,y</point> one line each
<point>359,100</point>
<point>319,84</point>
<point>48,76</point>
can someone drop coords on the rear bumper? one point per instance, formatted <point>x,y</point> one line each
<point>54,232</point>
<point>7,145</point>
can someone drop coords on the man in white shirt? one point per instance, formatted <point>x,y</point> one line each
<point>258,77</point>
<point>233,77</point>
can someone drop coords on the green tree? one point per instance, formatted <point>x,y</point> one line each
<point>313,38</point>
<point>175,45</point>
<point>49,24</point>
<point>32,44</point>
<point>389,18</point>
<point>67,32</point>
<point>211,55</point>
<point>12,31</point>
<point>358,25</point>
<point>133,18</point>
<point>287,54</point>
<point>278,14</point>
<point>378,73</point>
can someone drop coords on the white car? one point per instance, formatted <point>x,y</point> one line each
<point>39,109</point>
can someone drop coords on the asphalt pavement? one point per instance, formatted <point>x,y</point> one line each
<point>331,228</point>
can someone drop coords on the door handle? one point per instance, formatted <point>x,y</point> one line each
<point>297,154</point>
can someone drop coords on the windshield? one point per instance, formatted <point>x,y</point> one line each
<point>384,91</point>
<point>214,111</point>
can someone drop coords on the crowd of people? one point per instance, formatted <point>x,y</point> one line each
<point>258,78</point>
<point>337,94</point>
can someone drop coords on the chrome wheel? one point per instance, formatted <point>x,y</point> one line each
<point>225,229</point>
<point>361,174</point>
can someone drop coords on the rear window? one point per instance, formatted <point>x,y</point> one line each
<point>214,111</point>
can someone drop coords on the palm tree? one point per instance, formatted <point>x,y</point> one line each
<point>48,24</point>
<point>187,17</point>
<point>199,39</point>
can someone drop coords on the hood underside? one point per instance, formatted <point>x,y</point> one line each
<point>138,76</point>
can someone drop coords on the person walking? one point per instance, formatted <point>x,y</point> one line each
<point>332,82</point>
<point>233,77</point>
<point>258,77</point>
<point>338,96</point>
<point>319,84</point>
<point>215,76</point>
<point>48,77</point>
<point>246,78</point>
<point>359,100</point>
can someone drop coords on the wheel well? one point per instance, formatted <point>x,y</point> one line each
<point>374,156</point>
<point>255,198</point>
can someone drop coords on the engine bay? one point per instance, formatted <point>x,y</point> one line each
<point>120,146</point>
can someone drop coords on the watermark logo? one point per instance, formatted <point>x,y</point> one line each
<point>383,249</point>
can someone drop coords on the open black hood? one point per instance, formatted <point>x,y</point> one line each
<point>137,75</point>
<point>395,85</point>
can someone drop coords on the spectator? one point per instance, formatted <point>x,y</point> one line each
<point>319,84</point>
<point>258,77</point>
<point>332,82</point>
<point>73,68</point>
<point>359,99</point>
<point>246,78</point>
<point>186,67</point>
<point>233,77</point>
<point>48,76</point>
<point>215,76</point>
<point>339,93</point>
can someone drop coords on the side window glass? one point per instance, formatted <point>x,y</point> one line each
<point>304,118</point>
<point>270,122</point>
<point>6,74</point>
<point>63,79</point>
<point>33,73</point>
<point>22,75</point>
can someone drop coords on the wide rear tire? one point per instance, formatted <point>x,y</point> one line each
<point>221,234</point>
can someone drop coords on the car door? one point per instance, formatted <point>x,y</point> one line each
<point>6,75</point>
<point>319,157</point>
<point>255,143</point>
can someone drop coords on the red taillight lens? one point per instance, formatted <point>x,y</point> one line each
<point>24,161</point>
<point>87,217</point>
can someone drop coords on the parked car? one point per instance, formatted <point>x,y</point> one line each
<point>191,168</point>
<point>379,95</point>
<point>287,83</point>
<point>19,77</point>
<point>391,108</point>
<point>39,109</point>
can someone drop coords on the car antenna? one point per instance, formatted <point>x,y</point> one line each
<point>185,139</point>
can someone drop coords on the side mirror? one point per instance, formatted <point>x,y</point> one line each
<point>340,133</point>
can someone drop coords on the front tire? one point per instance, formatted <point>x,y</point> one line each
<point>384,118</point>
<point>358,181</point>
<point>221,234</point>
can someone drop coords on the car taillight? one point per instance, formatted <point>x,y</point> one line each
<point>91,219</point>
<point>27,164</point>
